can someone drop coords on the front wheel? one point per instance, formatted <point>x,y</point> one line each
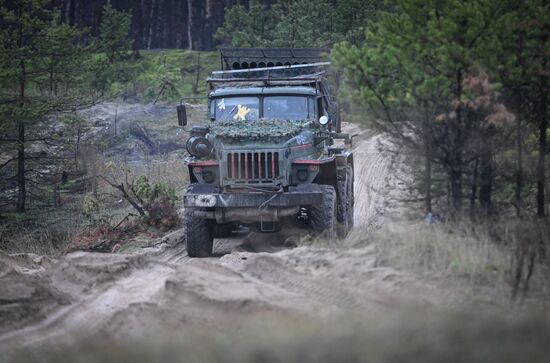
<point>198,235</point>
<point>322,217</point>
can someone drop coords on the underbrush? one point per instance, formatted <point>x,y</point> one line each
<point>43,231</point>
<point>110,239</point>
<point>150,210</point>
<point>104,222</point>
<point>512,256</point>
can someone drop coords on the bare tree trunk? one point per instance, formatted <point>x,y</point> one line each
<point>486,174</point>
<point>541,167</point>
<point>169,33</point>
<point>207,25</point>
<point>190,24</point>
<point>21,185</point>
<point>456,190</point>
<point>94,179</point>
<point>77,17</point>
<point>428,162</point>
<point>428,182</point>
<point>195,85</point>
<point>116,121</point>
<point>159,24</point>
<point>151,24</point>
<point>473,194</point>
<point>69,12</point>
<point>77,147</point>
<point>448,194</point>
<point>143,18</point>
<point>456,154</point>
<point>137,29</point>
<point>51,75</point>
<point>519,171</point>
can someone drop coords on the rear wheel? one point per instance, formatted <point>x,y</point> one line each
<point>322,217</point>
<point>199,235</point>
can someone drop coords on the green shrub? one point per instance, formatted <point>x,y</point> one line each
<point>149,192</point>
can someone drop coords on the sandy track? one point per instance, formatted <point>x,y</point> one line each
<point>162,288</point>
<point>371,169</point>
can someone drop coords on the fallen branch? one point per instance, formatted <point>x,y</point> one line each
<point>125,195</point>
<point>125,219</point>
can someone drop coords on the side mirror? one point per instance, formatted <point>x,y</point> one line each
<point>182,115</point>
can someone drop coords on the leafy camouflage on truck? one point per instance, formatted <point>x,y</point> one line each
<point>259,129</point>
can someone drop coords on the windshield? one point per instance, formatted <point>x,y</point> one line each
<point>237,108</point>
<point>288,107</point>
<point>274,107</point>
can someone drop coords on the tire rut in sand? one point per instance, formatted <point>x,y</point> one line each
<point>97,303</point>
<point>371,179</point>
<point>322,293</point>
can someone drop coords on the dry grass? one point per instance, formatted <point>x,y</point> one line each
<point>475,256</point>
<point>40,231</point>
<point>436,249</point>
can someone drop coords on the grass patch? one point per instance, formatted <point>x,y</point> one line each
<point>495,255</point>
<point>43,231</point>
<point>436,249</point>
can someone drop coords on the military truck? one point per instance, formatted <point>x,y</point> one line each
<point>272,151</point>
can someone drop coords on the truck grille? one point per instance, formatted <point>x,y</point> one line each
<point>252,166</point>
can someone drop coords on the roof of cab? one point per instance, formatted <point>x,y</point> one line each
<point>247,91</point>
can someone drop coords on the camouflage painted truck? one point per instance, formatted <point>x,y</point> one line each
<point>268,155</point>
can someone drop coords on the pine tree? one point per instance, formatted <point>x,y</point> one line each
<point>114,38</point>
<point>41,70</point>
<point>250,26</point>
<point>298,23</point>
<point>413,67</point>
<point>303,24</point>
<point>352,16</point>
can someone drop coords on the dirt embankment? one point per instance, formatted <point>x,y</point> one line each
<point>162,289</point>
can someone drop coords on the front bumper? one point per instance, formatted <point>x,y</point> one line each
<point>207,196</point>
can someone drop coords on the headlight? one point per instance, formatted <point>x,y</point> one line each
<point>199,146</point>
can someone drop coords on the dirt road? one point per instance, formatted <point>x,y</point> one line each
<point>162,289</point>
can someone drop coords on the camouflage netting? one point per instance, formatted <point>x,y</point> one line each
<point>257,130</point>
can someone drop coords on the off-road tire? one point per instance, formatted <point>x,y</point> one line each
<point>323,217</point>
<point>345,203</point>
<point>198,235</point>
